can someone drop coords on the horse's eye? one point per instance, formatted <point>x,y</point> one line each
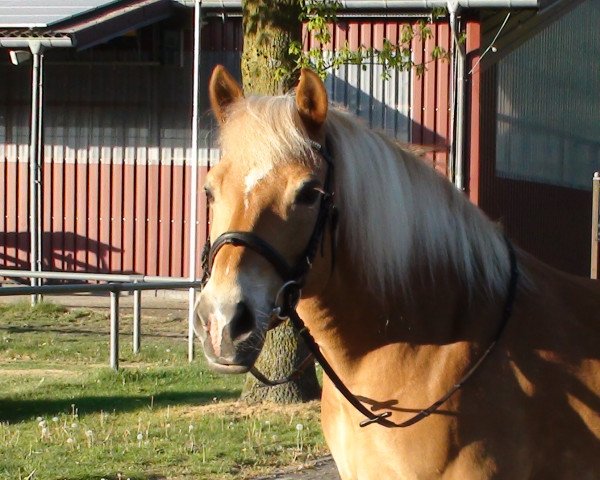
<point>308,194</point>
<point>209,194</point>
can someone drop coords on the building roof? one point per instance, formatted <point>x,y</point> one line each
<point>42,13</point>
<point>79,23</point>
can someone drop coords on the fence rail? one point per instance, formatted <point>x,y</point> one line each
<point>116,285</point>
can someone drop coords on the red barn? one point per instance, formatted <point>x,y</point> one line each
<point>521,136</point>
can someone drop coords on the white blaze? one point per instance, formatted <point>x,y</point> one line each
<point>254,176</point>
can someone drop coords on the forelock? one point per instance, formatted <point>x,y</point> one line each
<point>265,129</point>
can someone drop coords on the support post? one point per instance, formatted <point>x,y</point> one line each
<point>194,173</point>
<point>595,266</point>
<point>114,329</point>
<point>34,159</point>
<point>40,165</point>
<point>457,113</point>
<point>137,320</point>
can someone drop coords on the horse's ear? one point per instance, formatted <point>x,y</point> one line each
<point>223,90</point>
<point>311,100</point>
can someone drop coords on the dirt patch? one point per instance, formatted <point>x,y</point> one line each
<point>245,410</point>
<point>38,372</point>
<point>321,469</point>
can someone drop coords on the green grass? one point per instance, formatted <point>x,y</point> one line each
<point>65,415</point>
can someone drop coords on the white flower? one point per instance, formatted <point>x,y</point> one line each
<point>140,436</point>
<point>73,425</point>
<point>55,419</point>
<point>44,432</point>
<point>190,428</point>
<point>39,419</point>
<point>89,433</point>
<point>299,427</point>
<point>42,423</point>
<point>70,440</point>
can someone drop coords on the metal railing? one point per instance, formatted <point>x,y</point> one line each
<point>595,260</point>
<point>117,284</point>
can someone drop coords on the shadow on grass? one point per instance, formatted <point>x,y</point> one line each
<point>12,410</point>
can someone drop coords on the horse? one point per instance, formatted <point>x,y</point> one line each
<point>450,354</point>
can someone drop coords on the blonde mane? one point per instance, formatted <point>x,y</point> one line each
<point>397,215</point>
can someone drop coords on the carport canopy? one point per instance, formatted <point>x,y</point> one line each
<point>81,24</point>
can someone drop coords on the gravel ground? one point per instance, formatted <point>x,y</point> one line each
<point>323,469</point>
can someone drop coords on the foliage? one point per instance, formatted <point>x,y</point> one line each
<point>319,15</point>
<point>64,414</point>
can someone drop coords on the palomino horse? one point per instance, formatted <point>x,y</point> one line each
<point>412,295</point>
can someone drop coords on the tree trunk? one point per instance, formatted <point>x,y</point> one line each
<point>269,69</point>
<point>283,351</point>
<point>269,28</point>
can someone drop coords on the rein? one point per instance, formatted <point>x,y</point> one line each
<point>382,418</point>
<point>289,295</point>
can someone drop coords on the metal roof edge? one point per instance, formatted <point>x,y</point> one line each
<point>383,4</point>
<point>47,41</point>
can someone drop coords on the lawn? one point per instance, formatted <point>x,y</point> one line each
<point>65,415</point>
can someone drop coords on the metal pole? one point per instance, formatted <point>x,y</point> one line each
<point>39,162</point>
<point>87,288</point>
<point>458,96</point>
<point>36,50</point>
<point>595,225</point>
<point>194,181</point>
<point>137,320</point>
<point>114,330</point>
<point>99,277</point>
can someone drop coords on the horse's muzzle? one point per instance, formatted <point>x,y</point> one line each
<point>228,333</point>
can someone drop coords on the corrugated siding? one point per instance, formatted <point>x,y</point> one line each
<point>381,104</point>
<point>116,173</point>
<point>410,107</point>
<point>540,139</point>
<point>430,113</point>
<point>14,145</point>
<point>547,114</point>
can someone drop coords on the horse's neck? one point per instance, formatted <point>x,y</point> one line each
<point>348,321</point>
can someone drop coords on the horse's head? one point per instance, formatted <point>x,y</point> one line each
<point>269,185</point>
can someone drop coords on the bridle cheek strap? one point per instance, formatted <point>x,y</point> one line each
<point>296,273</point>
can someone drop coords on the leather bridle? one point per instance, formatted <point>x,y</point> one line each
<point>294,277</point>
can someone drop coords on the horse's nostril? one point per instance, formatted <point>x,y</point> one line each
<point>242,322</point>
